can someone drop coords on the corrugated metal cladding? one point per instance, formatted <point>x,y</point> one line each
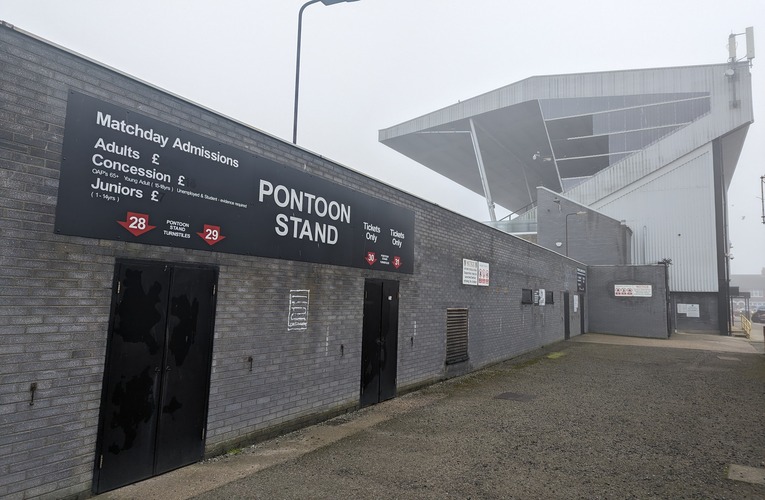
<point>722,119</point>
<point>671,214</point>
<point>708,78</point>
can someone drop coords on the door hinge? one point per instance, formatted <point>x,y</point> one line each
<point>203,433</point>
<point>119,287</point>
<point>215,288</point>
<point>101,462</point>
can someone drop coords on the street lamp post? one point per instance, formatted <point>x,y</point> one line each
<point>297,59</point>
<point>581,212</point>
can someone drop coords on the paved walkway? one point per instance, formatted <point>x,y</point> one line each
<point>598,416</point>
<point>701,342</point>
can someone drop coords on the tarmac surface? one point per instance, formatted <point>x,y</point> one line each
<point>597,416</point>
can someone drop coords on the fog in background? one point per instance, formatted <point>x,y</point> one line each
<point>371,64</point>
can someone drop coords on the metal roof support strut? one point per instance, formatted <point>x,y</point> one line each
<point>482,171</point>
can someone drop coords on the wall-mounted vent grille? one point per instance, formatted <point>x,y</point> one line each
<point>456,335</point>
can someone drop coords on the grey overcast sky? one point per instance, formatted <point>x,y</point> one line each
<point>371,64</point>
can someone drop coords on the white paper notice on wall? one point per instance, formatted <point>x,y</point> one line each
<point>692,310</point>
<point>542,298</point>
<point>469,272</point>
<point>297,318</point>
<point>576,303</point>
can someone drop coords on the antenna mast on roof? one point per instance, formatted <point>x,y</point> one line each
<point>749,33</point>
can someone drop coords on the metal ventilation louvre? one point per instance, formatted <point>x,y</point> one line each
<point>456,335</point>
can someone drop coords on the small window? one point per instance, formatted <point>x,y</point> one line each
<point>549,297</point>
<point>527,296</point>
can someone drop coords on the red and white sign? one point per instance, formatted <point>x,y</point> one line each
<point>370,258</point>
<point>483,274</point>
<point>136,223</point>
<point>633,291</point>
<point>211,234</point>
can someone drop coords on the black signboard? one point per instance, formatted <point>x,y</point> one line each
<point>581,280</point>
<point>125,176</point>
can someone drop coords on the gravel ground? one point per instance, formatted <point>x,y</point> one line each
<point>596,417</point>
<point>580,420</point>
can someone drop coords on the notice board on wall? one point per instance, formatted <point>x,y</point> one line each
<point>129,177</point>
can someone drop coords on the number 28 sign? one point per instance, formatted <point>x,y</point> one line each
<point>136,223</point>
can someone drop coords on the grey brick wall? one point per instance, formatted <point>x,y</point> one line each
<point>708,318</point>
<point>55,291</point>
<point>633,316</point>
<point>592,238</point>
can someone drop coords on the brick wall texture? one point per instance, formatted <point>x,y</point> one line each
<point>591,238</point>
<point>633,316</point>
<point>56,291</point>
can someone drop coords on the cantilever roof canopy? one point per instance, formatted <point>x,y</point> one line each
<point>513,145</point>
<point>555,131</point>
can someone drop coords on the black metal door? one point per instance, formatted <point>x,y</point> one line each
<point>185,382</point>
<point>156,380</point>
<point>581,313</point>
<point>566,317</point>
<point>379,344</point>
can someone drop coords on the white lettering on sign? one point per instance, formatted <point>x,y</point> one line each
<point>112,147</point>
<point>308,203</point>
<point>150,173</point>
<point>134,129</point>
<point>398,238</point>
<point>203,152</point>
<point>372,231</point>
<point>116,188</point>
<point>301,229</point>
<point>301,201</point>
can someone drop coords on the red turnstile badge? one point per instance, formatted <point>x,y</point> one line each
<point>370,258</point>
<point>136,223</point>
<point>211,234</point>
